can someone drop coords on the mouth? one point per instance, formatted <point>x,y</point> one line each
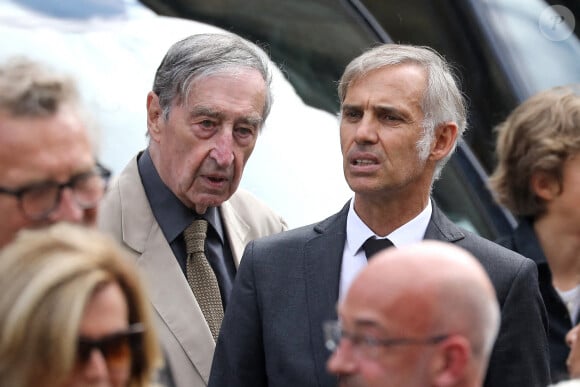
<point>363,162</point>
<point>216,180</point>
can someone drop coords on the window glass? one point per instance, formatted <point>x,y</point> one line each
<point>538,40</point>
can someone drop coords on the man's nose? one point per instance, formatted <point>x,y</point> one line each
<point>341,362</point>
<point>367,131</point>
<point>223,151</point>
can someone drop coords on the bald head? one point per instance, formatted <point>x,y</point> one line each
<point>427,290</point>
<point>446,280</point>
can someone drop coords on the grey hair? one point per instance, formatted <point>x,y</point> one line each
<point>202,55</point>
<point>34,89</point>
<point>442,102</point>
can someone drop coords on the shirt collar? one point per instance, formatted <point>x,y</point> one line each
<point>357,232</point>
<point>172,215</point>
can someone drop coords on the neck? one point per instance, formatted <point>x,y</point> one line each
<point>561,246</point>
<point>383,216</point>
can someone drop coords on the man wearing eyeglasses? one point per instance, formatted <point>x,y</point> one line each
<point>397,331</point>
<point>48,171</point>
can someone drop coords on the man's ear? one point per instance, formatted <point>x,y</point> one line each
<point>544,185</point>
<point>154,116</point>
<point>443,140</point>
<point>451,362</point>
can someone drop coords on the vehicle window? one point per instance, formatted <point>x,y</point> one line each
<point>538,41</point>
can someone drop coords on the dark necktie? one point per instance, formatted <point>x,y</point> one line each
<point>373,246</point>
<point>201,277</point>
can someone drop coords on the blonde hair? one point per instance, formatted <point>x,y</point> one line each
<point>47,277</point>
<point>539,135</point>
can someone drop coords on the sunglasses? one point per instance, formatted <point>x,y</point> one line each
<point>117,348</point>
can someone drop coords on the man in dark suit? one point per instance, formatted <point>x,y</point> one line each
<point>401,117</point>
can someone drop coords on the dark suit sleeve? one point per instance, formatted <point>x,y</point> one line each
<point>520,355</point>
<point>239,356</point>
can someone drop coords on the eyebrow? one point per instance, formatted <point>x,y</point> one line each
<point>350,107</point>
<point>206,111</point>
<point>382,109</point>
<point>363,323</point>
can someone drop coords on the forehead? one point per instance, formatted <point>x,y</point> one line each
<point>105,312</point>
<point>392,306</point>
<point>43,143</point>
<point>250,80</point>
<point>403,82</point>
<point>65,125</point>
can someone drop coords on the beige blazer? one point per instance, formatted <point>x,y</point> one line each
<point>126,215</point>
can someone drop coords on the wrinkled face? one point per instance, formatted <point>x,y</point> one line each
<point>381,316</point>
<point>38,150</point>
<point>201,149</point>
<point>105,314</point>
<point>380,126</point>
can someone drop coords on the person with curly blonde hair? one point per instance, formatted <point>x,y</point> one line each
<point>73,312</point>
<point>538,179</point>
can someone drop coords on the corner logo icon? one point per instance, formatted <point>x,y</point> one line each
<point>557,23</point>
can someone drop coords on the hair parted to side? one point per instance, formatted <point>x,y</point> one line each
<point>442,102</point>
<point>34,89</point>
<point>538,135</point>
<point>47,277</point>
<point>203,55</point>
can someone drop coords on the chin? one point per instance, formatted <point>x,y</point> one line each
<point>207,201</point>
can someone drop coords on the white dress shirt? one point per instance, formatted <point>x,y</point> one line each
<point>357,232</point>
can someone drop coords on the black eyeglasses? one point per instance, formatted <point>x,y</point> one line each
<point>368,346</point>
<point>38,201</point>
<point>117,348</point>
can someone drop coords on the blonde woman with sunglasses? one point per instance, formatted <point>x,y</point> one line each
<point>73,313</point>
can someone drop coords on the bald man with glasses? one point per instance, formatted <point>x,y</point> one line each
<point>48,169</point>
<point>422,315</point>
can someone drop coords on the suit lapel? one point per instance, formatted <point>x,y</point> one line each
<point>171,296</point>
<point>136,215</point>
<point>237,230</point>
<point>441,228</point>
<point>322,264</point>
<point>174,301</point>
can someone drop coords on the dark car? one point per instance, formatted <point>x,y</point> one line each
<point>114,46</point>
